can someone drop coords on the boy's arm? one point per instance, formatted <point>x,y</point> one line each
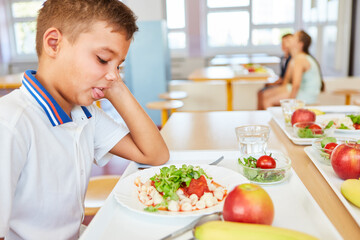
<point>288,72</point>
<point>143,144</point>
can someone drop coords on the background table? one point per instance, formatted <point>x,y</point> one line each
<point>223,60</point>
<point>215,130</point>
<point>229,74</point>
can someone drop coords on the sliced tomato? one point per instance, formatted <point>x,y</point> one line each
<point>197,186</point>
<point>330,147</point>
<point>316,129</point>
<point>266,162</point>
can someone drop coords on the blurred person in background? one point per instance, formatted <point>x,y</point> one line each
<point>285,59</point>
<point>303,79</point>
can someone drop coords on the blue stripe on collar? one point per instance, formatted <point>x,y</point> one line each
<point>54,112</point>
<point>86,111</point>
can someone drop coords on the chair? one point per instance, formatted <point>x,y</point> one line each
<point>98,190</point>
<point>347,93</point>
<point>173,95</point>
<point>165,106</point>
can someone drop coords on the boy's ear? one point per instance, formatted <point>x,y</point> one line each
<point>51,41</point>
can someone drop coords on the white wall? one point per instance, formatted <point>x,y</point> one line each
<point>147,10</point>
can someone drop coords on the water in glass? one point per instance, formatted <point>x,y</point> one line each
<point>252,139</point>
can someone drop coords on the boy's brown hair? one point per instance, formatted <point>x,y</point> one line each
<point>72,17</point>
<point>286,35</point>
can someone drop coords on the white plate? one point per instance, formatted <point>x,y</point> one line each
<point>331,116</point>
<point>334,182</point>
<point>346,131</point>
<point>127,194</point>
<point>336,111</point>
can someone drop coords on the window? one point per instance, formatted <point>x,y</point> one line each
<point>250,25</point>
<point>23,22</point>
<point>227,3</point>
<point>320,10</point>
<point>320,21</point>
<point>223,32</point>
<point>256,26</point>
<point>175,14</point>
<point>273,12</point>
<point>269,36</point>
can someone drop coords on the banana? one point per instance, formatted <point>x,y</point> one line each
<point>216,230</point>
<point>350,189</point>
<point>316,111</point>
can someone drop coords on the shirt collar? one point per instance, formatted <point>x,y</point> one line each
<point>54,112</point>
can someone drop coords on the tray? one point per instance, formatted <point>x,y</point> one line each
<point>334,181</point>
<point>277,115</point>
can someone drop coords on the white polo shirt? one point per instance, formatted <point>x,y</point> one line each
<point>45,161</point>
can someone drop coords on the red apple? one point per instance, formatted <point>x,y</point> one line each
<point>345,160</point>
<point>249,203</point>
<point>302,115</point>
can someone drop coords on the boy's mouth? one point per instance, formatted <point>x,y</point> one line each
<point>97,93</point>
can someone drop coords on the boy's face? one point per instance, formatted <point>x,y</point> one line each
<point>285,44</point>
<point>89,65</point>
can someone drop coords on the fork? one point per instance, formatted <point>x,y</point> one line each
<point>213,163</point>
<point>217,161</point>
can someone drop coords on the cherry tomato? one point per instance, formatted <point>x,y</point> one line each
<point>266,162</point>
<point>316,129</point>
<point>356,126</point>
<point>330,147</point>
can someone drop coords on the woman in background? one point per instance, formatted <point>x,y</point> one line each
<point>304,73</point>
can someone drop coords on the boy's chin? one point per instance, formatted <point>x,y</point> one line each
<point>86,102</point>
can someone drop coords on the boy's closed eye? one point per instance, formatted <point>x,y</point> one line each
<point>102,61</point>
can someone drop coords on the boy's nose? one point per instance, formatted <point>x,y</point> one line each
<point>112,76</point>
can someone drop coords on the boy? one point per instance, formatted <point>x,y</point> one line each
<point>285,59</point>
<point>49,139</point>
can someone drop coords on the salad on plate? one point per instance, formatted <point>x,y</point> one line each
<point>187,188</point>
<point>348,122</point>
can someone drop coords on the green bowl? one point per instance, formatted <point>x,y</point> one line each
<point>301,130</point>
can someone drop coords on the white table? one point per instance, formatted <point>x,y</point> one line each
<point>214,132</point>
<point>294,207</point>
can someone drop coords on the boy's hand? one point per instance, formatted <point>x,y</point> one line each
<point>115,89</point>
<point>144,144</point>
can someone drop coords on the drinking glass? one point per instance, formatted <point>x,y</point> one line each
<point>288,106</point>
<point>252,139</point>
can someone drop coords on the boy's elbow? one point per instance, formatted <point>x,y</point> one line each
<point>156,158</point>
<point>163,157</point>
